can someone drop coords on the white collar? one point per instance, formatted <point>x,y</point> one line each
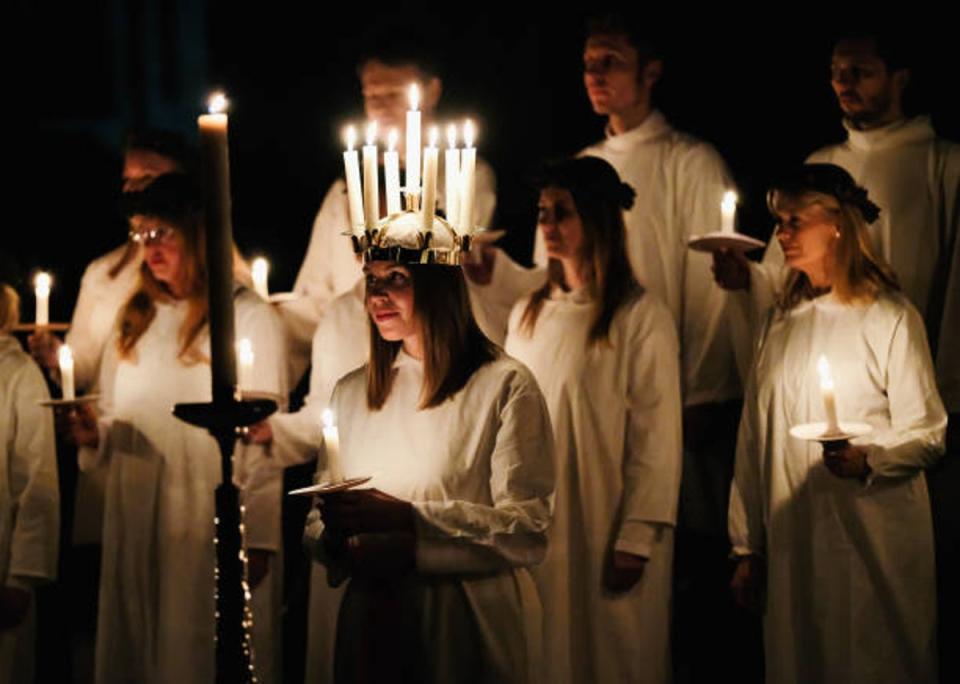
<point>654,126</point>
<point>896,134</point>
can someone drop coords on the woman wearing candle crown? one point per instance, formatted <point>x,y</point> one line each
<point>843,535</point>
<point>606,355</point>
<point>156,612</point>
<point>457,439</point>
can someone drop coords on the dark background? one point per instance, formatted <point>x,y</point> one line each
<point>83,73</point>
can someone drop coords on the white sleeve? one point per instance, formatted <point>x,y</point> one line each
<point>87,337</point>
<point>90,458</point>
<point>745,518</point>
<point>33,481</point>
<point>486,197</point>
<point>465,536</point>
<point>915,438</point>
<point>315,278</point>
<point>652,458</point>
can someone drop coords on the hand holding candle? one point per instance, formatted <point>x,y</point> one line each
<point>41,285</point>
<point>728,210</point>
<point>331,441</point>
<point>827,392</point>
<point>65,357</point>
<point>259,271</point>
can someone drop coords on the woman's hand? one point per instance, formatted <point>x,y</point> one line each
<point>623,571</point>
<point>845,460</point>
<point>258,433</point>
<point>731,269</point>
<point>44,347</point>
<point>83,426</point>
<point>365,510</point>
<point>480,271</point>
<point>749,583</point>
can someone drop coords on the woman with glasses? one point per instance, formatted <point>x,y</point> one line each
<point>840,537</point>
<point>156,615</point>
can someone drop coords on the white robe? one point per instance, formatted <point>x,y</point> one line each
<point>29,498</point>
<point>615,410</point>
<point>914,177</point>
<point>479,472</point>
<point>850,567</point>
<point>679,183</point>
<point>156,613</point>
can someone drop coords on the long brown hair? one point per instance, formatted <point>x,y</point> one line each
<point>454,348</point>
<point>599,198</point>
<point>859,274</point>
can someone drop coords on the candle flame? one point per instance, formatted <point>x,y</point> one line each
<point>351,137</point>
<point>392,138</point>
<point>823,369</point>
<point>434,136</point>
<point>414,97</point>
<point>371,132</point>
<point>217,103</point>
<point>245,350</point>
<point>729,200</point>
<point>452,135</point>
<point>65,357</point>
<point>259,269</point>
<point>42,283</point>
<point>327,418</point>
<point>468,133</point>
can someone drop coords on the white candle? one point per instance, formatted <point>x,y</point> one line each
<point>371,183</point>
<point>391,165</point>
<point>413,141</point>
<point>331,442</point>
<point>728,209</point>
<point>351,166</point>
<point>41,288</point>
<point>259,270</point>
<point>452,177</point>
<point>245,358</point>
<point>468,165</point>
<point>827,392</point>
<point>65,358</point>
<point>430,164</point>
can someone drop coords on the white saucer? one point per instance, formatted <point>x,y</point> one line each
<point>283,297</point>
<point>817,432</point>
<point>328,488</point>
<point>713,242</point>
<point>85,399</point>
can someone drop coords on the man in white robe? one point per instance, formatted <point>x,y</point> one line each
<point>29,497</point>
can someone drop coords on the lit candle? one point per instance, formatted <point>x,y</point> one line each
<point>413,141</point>
<point>391,165</point>
<point>728,209</point>
<point>371,184</point>
<point>245,359</point>
<point>468,165</point>
<point>215,165</point>
<point>331,442</point>
<point>827,392</point>
<point>430,164</point>
<point>259,271</point>
<point>351,165</point>
<point>65,358</point>
<point>41,288</point>
<point>452,177</point>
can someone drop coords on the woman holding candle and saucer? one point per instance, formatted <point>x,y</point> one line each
<point>156,611</point>
<point>457,440</point>
<point>842,534</point>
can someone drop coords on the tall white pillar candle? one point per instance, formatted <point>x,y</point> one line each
<point>451,179</point>
<point>413,141</point>
<point>351,167</point>
<point>430,164</point>
<point>728,209</point>
<point>331,443</point>
<point>828,393</point>
<point>245,359</point>
<point>65,358</point>
<point>41,289</point>
<point>391,169</point>
<point>371,182</point>
<point>259,271</point>
<point>468,166</point>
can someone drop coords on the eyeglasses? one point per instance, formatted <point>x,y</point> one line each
<point>160,234</point>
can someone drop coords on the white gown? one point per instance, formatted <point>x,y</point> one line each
<point>914,177</point>
<point>679,182</point>
<point>850,567</point>
<point>156,614</point>
<point>29,498</point>
<point>615,410</point>
<point>479,472</point>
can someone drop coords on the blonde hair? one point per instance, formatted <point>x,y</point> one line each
<point>859,274</point>
<point>9,308</point>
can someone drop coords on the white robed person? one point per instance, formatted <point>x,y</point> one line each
<point>606,356</point>
<point>29,496</point>
<point>457,440</point>
<point>844,532</point>
<point>156,620</point>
